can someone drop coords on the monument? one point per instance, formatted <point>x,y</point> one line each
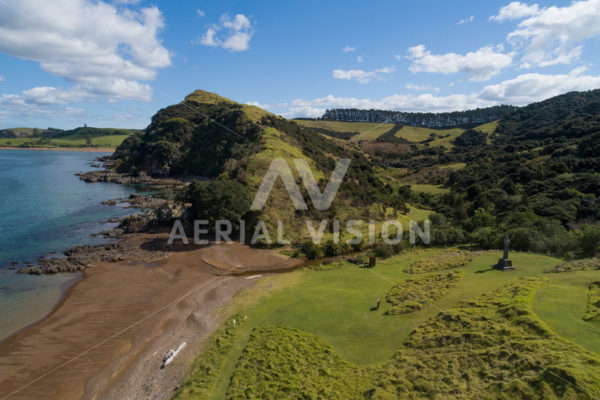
<point>505,263</point>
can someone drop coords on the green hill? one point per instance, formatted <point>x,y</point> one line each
<point>210,136</point>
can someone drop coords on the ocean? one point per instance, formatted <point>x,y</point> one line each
<point>45,209</point>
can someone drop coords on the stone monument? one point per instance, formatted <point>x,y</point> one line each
<point>505,263</point>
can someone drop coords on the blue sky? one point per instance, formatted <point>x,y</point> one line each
<point>115,63</point>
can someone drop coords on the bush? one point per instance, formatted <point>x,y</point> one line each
<point>218,200</point>
<point>589,241</point>
<point>311,250</point>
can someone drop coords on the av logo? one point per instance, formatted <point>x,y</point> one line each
<point>280,168</point>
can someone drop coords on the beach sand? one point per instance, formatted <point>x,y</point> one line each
<point>107,338</point>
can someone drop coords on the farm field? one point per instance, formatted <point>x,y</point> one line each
<point>364,130</point>
<point>75,140</point>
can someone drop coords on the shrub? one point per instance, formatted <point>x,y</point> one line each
<point>218,200</point>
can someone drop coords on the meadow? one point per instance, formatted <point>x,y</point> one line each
<point>75,140</point>
<point>362,130</point>
<point>315,333</point>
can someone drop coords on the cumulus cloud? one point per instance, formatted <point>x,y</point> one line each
<point>362,76</point>
<point>360,59</point>
<point>480,65</point>
<point>231,34</point>
<point>348,49</point>
<point>200,13</point>
<point>39,102</point>
<point>523,89</point>
<point>104,50</point>
<point>552,35</point>
<point>2,79</point>
<point>532,87</point>
<point>515,10</point>
<point>466,20</point>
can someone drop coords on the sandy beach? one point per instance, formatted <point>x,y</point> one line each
<point>108,336</point>
<point>86,149</point>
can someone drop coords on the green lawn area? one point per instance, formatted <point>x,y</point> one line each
<point>562,304</point>
<point>74,140</point>
<point>365,130</point>
<point>329,310</point>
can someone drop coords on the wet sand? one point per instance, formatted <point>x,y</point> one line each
<point>108,336</point>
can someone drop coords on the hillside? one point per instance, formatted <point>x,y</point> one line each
<point>213,137</point>
<point>534,175</point>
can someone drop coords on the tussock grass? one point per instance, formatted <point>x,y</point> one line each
<point>283,363</point>
<point>577,265</point>
<point>440,262</point>
<point>413,294</point>
<point>593,307</point>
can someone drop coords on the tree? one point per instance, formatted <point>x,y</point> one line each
<point>218,200</point>
<point>590,241</point>
<point>88,140</point>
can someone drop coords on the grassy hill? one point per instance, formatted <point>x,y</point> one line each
<point>78,137</point>
<point>211,136</point>
<point>371,132</point>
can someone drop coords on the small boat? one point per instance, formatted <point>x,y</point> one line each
<point>170,356</point>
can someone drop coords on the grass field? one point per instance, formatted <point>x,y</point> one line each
<point>75,140</point>
<point>425,188</point>
<point>364,130</point>
<point>443,137</point>
<point>487,128</point>
<point>313,334</point>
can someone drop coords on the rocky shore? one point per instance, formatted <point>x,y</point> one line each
<point>155,214</point>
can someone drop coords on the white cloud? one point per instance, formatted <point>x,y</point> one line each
<point>362,76</point>
<point>40,102</point>
<point>348,49</point>
<point>200,13</point>
<point>257,104</point>
<point>532,87</point>
<point>360,59</point>
<point>104,50</point>
<point>466,20</point>
<point>552,35</point>
<point>231,34</point>
<point>479,65</point>
<point>2,79</point>
<point>515,10</point>
<point>523,89</point>
<point>421,88</point>
<point>405,102</point>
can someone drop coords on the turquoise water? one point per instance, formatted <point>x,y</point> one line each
<point>45,208</point>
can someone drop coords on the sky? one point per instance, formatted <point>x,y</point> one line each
<point>65,63</point>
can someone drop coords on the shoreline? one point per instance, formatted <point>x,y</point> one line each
<point>82,149</point>
<point>111,329</point>
<point>65,292</point>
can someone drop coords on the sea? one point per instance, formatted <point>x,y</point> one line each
<point>44,210</point>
